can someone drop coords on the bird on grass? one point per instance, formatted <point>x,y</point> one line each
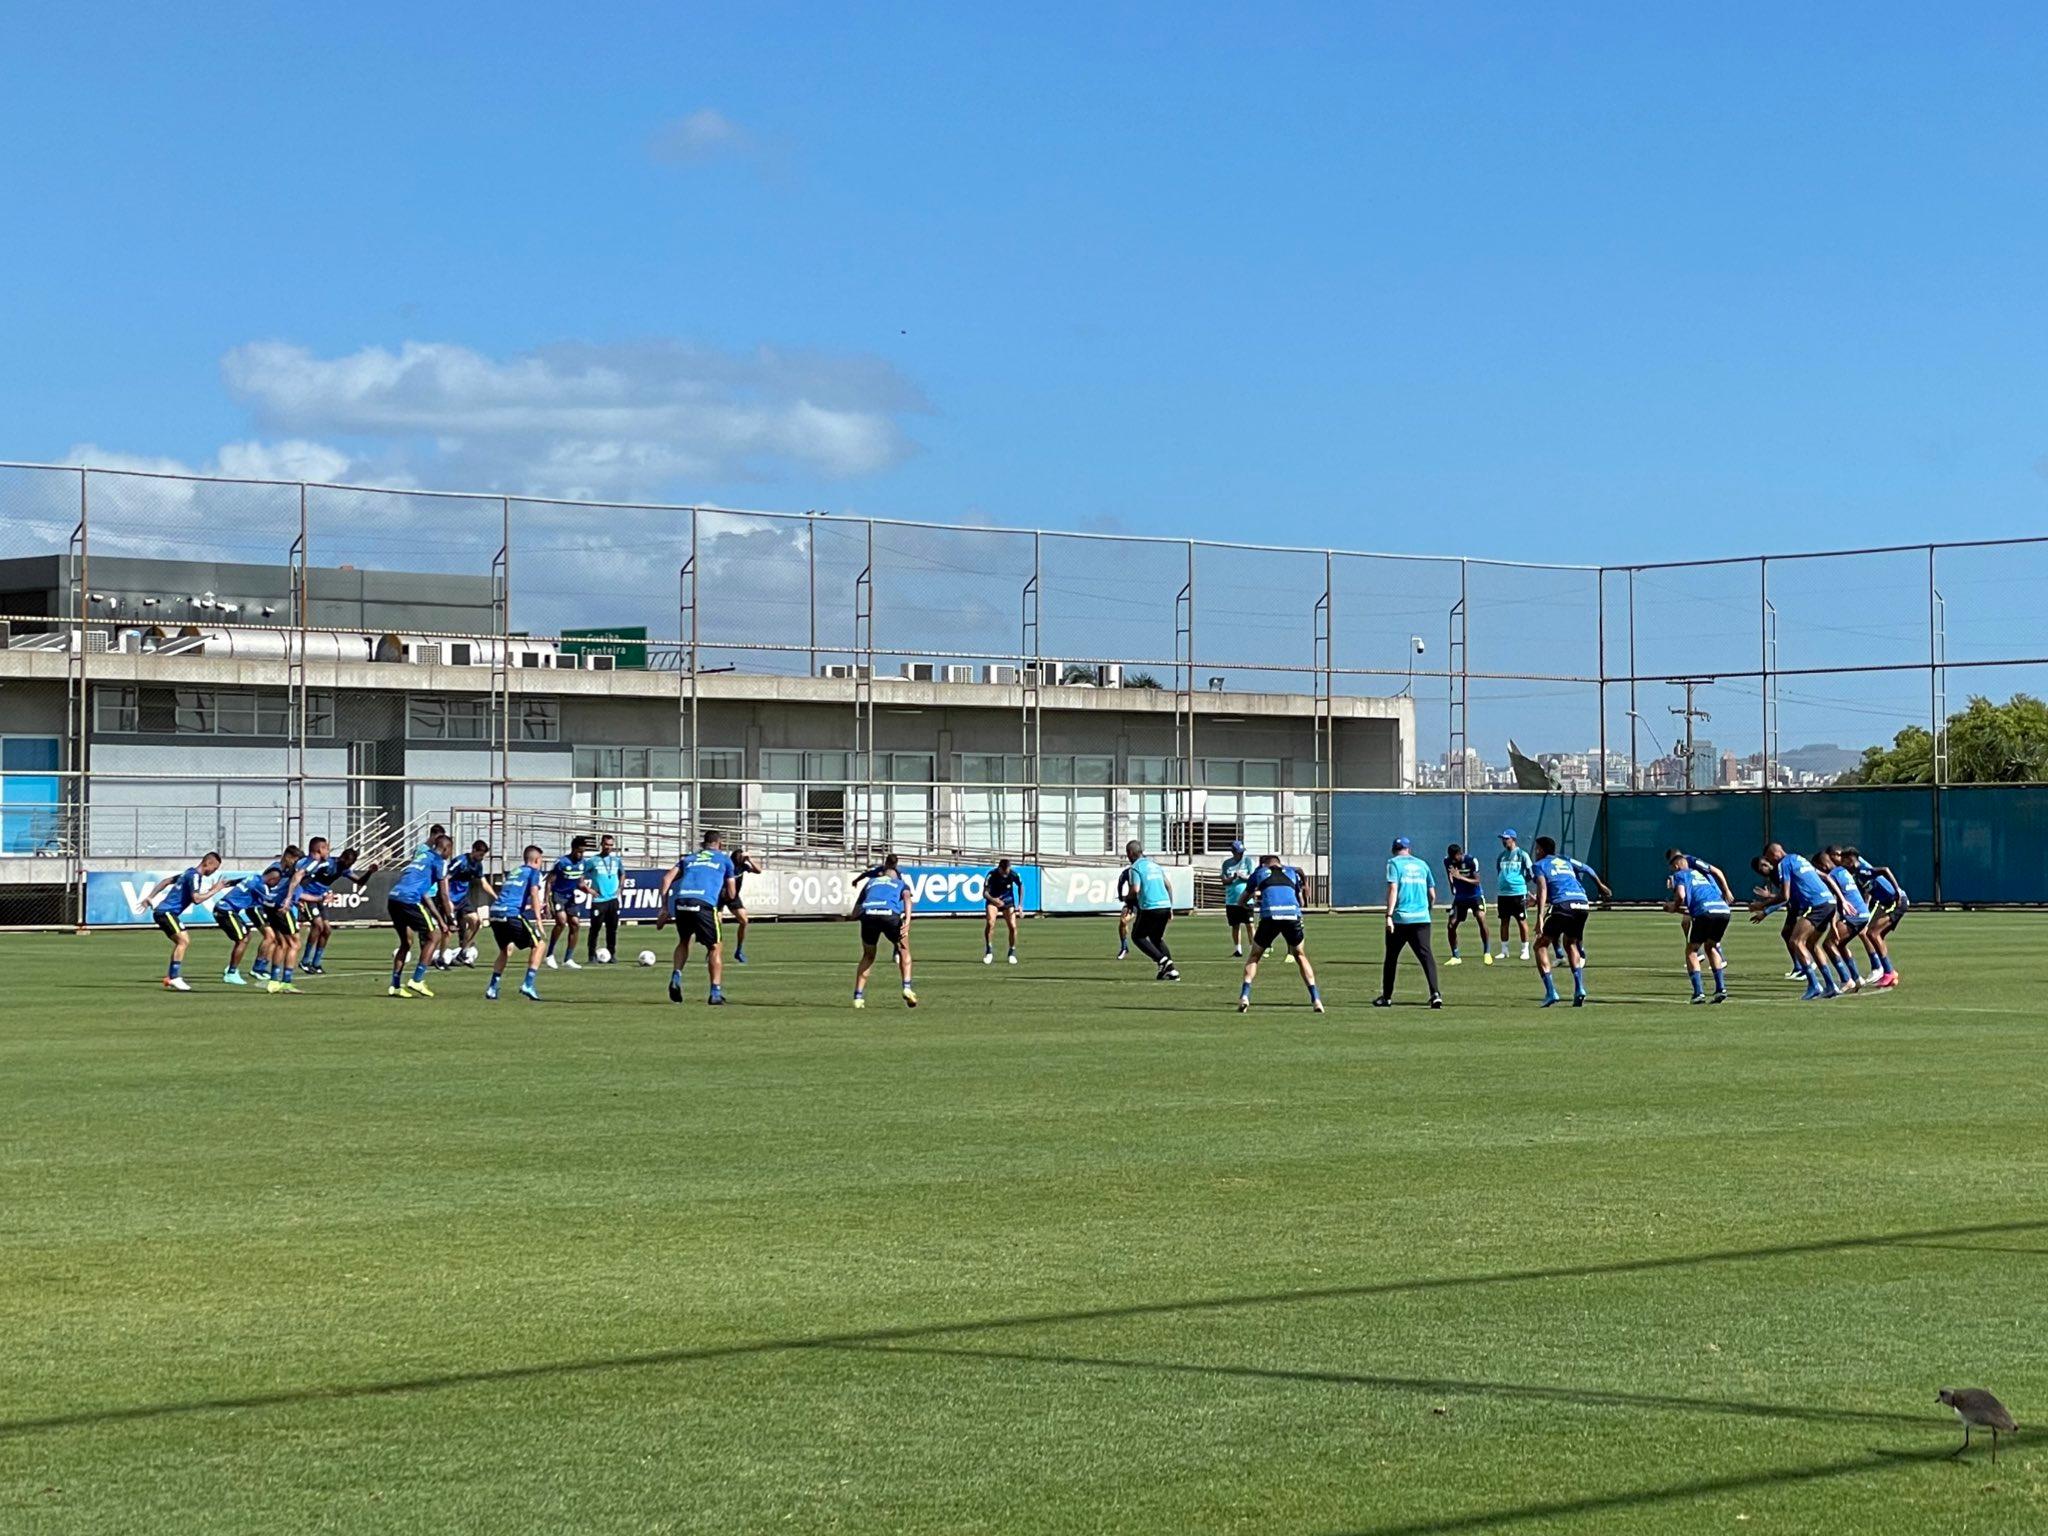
<point>1978,1408</point>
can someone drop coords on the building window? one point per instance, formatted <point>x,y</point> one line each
<point>1236,772</point>
<point>539,720</point>
<point>1155,770</point>
<point>429,717</point>
<point>210,712</point>
<point>115,711</point>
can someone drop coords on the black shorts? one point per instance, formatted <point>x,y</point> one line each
<point>235,925</point>
<point>1565,925</point>
<point>173,928</point>
<point>410,916</point>
<point>699,923</point>
<point>282,921</point>
<point>1821,918</point>
<point>877,926</point>
<point>1707,929</point>
<point>736,903</point>
<point>1893,913</point>
<point>1467,906</point>
<point>1273,929</point>
<point>1239,913</point>
<point>1511,906</point>
<point>515,933</point>
<point>464,901</point>
<point>1001,906</point>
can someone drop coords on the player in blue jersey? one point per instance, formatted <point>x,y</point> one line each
<point>421,884</point>
<point>568,885</point>
<point>1852,920</point>
<point>1238,872</point>
<point>278,952</point>
<point>884,903</point>
<point>1514,872</point>
<point>1562,907</point>
<point>518,907</point>
<point>1152,896</point>
<point>1126,913</point>
<point>691,893</point>
<point>1468,899</point>
<point>1411,900</point>
<point>1002,893</point>
<point>1706,910</point>
<point>171,899</point>
<point>470,894</point>
<point>313,884</point>
<point>743,865</point>
<point>1885,894</point>
<point>1275,889</point>
<point>239,915</point>
<point>1811,901</point>
<point>607,878</point>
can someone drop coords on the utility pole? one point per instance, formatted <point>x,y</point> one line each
<point>1689,714</point>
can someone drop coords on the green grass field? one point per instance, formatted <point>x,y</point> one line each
<point>1064,1250</point>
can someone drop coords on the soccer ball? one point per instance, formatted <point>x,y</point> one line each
<point>647,957</point>
<point>469,955</point>
<point>604,956</point>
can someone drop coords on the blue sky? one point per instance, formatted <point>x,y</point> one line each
<point>1588,282</point>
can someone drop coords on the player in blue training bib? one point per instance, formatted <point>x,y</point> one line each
<point>1276,890</point>
<point>1562,906</point>
<point>1704,912</point>
<point>1151,897</point>
<point>1885,895</point>
<point>568,889</point>
<point>884,902</point>
<point>690,894</point>
<point>518,907</point>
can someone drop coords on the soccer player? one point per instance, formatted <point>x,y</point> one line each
<point>1001,889</point>
<point>239,915</point>
<point>180,894</point>
<point>699,882</point>
<point>1562,906</point>
<point>517,908</point>
<point>1238,871</point>
<point>423,882</point>
<point>1153,899</point>
<point>1695,862</point>
<point>314,881</point>
<point>1468,899</point>
<point>278,952</point>
<point>1886,895</point>
<point>1852,919</point>
<point>1411,899</point>
<point>1706,907</point>
<point>1810,900</point>
<point>568,882</point>
<point>743,865</point>
<point>607,874</point>
<point>1512,873</point>
<point>1126,913</point>
<point>1277,889</point>
<point>466,878</point>
<point>885,904</point>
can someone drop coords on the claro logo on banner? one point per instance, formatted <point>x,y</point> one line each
<point>1092,887</point>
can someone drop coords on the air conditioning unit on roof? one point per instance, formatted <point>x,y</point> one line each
<point>957,674</point>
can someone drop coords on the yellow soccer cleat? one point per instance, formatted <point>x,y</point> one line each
<point>860,1002</point>
<point>419,989</point>
<point>909,998</point>
<point>1489,957</point>
<point>398,992</point>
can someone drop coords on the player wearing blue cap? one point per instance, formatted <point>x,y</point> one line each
<point>1513,873</point>
<point>1238,871</point>
<point>1411,898</point>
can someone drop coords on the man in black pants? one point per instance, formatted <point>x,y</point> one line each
<point>607,874</point>
<point>1411,896</point>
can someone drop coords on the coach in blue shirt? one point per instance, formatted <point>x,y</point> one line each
<point>1411,896</point>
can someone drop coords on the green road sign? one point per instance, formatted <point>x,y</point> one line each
<point>626,644</point>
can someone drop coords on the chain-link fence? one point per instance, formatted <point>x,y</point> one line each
<point>194,662</point>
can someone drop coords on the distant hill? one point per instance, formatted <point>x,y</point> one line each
<point>1821,757</point>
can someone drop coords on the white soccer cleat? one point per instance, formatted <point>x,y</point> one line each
<point>988,957</point>
<point>177,984</point>
<point>1525,951</point>
<point>550,963</point>
<point>1455,960</point>
<point>574,964</point>
<point>1013,957</point>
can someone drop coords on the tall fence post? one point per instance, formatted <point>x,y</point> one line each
<point>1766,661</point>
<point>78,699</point>
<point>1936,725</point>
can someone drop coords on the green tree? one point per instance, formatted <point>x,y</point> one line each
<point>1987,744</point>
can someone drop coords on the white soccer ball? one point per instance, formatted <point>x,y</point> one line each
<point>604,956</point>
<point>647,957</point>
<point>469,955</point>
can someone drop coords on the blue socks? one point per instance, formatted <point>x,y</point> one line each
<point>397,975</point>
<point>531,972</point>
<point>1244,993</point>
<point>176,967</point>
<point>419,972</point>
<point>1578,981</point>
<point>1549,988</point>
<point>675,978</point>
<point>1313,995</point>
<point>1698,990</point>
<point>1720,979</point>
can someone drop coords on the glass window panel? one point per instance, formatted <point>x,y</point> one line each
<point>425,718</point>
<point>195,711</point>
<point>782,765</point>
<point>34,754</point>
<point>1261,770</point>
<point>1094,770</point>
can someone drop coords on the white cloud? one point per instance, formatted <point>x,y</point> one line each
<point>293,459</point>
<point>584,420</point>
<point>702,135</point>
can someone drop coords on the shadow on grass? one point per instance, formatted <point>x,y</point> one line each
<point>1875,1459</point>
<point>1584,1397</point>
<point>649,1359</point>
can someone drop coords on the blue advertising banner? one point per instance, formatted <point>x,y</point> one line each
<point>961,887</point>
<point>113,897</point>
